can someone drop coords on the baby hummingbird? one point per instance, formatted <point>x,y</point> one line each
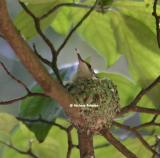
<point>84,70</point>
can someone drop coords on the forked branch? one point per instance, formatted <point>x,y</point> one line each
<point>133,105</point>
<point>76,27</point>
<point>28,152</point>
<point>138,135</point>
<point>29,93</point>
<point>30,60</point>
<point>37,23</point>
<point>68,130</point>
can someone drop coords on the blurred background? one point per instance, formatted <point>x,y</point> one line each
<point>10,89</point>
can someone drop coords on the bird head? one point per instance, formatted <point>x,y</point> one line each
<point>84,70</point>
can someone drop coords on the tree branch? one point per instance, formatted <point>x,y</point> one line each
<point>131,107</point>
<point>157,18</point>
<point>47,62</point>
<point>29,93</point>
<point>67,130</point>
<point>63,5</point>
<point>47,41</point>
<point>28,152</point>
<point>75,28</point>
<point>21,98</point>
<point>144,110</point>
<point>101,146</point>
<point>147,124</point>
<point>85,144</point>
<point>40,119</point>
<point>70,143</point>
<point>137,134</point>
<point>156,147</point>
<point>117,144</point>
<point>13,77</point>
<point>30,60</point>
<point>38,28</point>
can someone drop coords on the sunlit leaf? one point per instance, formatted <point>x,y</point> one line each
<point>132,144</point>
<point>128,27</point>
<point>25,23</point>
<point>9,127</point>
<point>7,123</point>
<point>50,148</point>
<point>37,1</point>
<point>62,24</point>
<point>88,31</point>
<point>135,33</point>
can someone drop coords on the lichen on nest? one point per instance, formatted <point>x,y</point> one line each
<point>100,92</point>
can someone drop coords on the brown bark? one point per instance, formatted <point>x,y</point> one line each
<point>85,144</point>
<point>51,87</point>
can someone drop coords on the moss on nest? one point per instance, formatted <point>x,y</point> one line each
<point>100,92</point>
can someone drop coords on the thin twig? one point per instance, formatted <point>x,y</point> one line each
<point>117,144</point>
<point>47,62</point>
<point>75,27</point>
<point>32,63</point>
<point>46,40</point>
<point>38,28</point>
<point>29,93</point>
<point>28,152</point>
<point>40,119</point>
<point>156,146</point>
<point>145,110</point>
<point>101,146</point>
<point>147,124</point>
<point>63,5</point>
<point>131,107</point>
<point>70,143</point>
<point>53,123</point>
<point>14,78</point>
<point>56,71</point>
<point>157,18</point>
<point>137,134</point>
<point>144,91</point>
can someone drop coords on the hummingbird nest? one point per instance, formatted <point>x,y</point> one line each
<point>98,101</point>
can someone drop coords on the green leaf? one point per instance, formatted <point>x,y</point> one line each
<point>50,148</point>
<point>7,123</point>
<point>36,107</point>
<point>150,130</point>
<point>132,144</point>
<point>25,23</point>
<point>62,23</point>
<point>60,137</point>
<point>37,1</point>
<point>135,34</point>
<point>94,36</point>
<point>22,136</point>
<point>75,153</point>
<point>8,126</point>
<point>128,27</point>
<point>43,107</point>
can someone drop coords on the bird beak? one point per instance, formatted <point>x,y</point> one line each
<point>79,58</point>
